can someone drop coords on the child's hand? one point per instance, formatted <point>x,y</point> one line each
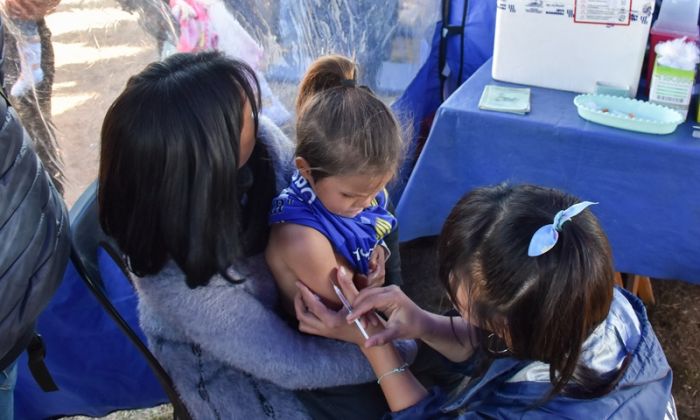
<point>360,281</point>
<point>377,271</point>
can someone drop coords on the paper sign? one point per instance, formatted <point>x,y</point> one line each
<point>603,12</point>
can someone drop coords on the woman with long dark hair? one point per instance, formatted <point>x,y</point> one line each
<point>187,173</point>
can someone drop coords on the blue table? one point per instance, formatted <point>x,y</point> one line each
<point>648,186</point>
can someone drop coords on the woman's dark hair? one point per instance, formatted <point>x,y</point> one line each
<point>169,177</point>
<point>343,128</point>
<point>548,305</point>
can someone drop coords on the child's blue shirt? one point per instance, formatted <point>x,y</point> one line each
<point>353,238</point>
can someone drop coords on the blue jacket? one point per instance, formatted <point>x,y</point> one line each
<point>644,392</point>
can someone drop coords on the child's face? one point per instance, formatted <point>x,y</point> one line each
<point>348,195</point>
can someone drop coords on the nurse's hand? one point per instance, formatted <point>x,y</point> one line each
<point>405,319</point>
<point>316,318</point>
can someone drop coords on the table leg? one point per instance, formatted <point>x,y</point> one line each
<point>639,286</point>
<point>618,279</point>
<point>644,290</point>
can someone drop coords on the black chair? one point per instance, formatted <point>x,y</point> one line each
<point>87,239</point>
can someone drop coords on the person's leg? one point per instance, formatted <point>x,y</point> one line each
<point>352,402</point>
<point>433,369</point>
<point>366,401</point>
<point>393,264</point>
<point>8,379</point>
<point>29,48</point>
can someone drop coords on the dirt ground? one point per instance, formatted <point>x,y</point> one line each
<point>97,46</point>
<point>676,320</point>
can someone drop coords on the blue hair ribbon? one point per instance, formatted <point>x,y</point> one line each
<point>547,236</point>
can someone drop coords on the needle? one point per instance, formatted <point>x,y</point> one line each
<point>347,306</point>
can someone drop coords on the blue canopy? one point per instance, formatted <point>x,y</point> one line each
<point>461,43</point>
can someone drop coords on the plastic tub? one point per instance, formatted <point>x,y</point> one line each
<point>628,114</point>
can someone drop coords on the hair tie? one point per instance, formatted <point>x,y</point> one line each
<point>547,236</point>
<point>366,88</point>
<point>348,82</point>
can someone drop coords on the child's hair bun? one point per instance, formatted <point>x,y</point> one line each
<point>341,128</point>
<point>327,72</point>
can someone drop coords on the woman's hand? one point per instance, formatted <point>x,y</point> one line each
<point>406,319</point>
<point>316,318</point>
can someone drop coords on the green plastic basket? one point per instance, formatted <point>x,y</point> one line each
<point>628,114</point>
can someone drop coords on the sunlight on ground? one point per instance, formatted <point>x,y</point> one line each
<point>58,86</point>
<point>97,46</point>
<point>81,20</point>
<point>62,103</point>
<point>92,25</point>
<point>80,53</point>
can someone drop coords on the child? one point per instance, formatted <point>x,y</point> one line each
<point>334,211</point>
<point>545,332</point>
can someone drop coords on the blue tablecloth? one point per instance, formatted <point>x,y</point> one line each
<point>648,186</point>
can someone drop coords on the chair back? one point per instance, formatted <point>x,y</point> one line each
<point>98,260</point>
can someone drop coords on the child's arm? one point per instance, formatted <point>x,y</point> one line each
<point>308,257</point>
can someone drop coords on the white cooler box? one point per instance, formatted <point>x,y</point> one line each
<point>571,44</point>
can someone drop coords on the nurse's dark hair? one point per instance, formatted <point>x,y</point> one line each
<point>548,305</point>
<point>169,168</point>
